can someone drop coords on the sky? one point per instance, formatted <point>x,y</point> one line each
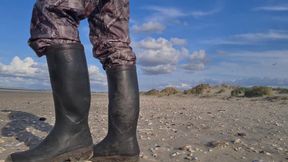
<point>177,43</point>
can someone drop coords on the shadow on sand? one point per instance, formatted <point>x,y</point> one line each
<point>20,125</point>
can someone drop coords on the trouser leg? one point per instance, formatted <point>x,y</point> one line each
<point>56,22</point>
<point>109,33</point>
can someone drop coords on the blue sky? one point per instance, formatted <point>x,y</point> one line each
<point>177,43</point>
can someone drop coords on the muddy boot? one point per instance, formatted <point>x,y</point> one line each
<point>70,139</point>
<point>120,144</point>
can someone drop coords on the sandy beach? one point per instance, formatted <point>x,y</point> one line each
<point>176,128</point>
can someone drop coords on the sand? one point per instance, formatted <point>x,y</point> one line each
<point>171,128</point>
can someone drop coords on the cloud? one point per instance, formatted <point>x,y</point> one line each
<point>96,77</point>
<point>162,56</point>
<point>270,35</point>
<point>250,64</point>
<point>23,73</point>
<point>180,85</point>
<point>158,69</point>
<point>196,61</point>
<point>27,73</point>
<point>178,41</point>
<point>149,27</point>
<point>277,8</point>
<point>159,51</point>
<point>158,56</point>
<point>167,12</point>
<point>18,67</point>
<point>175,13</point>
<point>250,38</point>
<point>197,14</point>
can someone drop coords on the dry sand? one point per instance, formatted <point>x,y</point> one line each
<point>171,128</point>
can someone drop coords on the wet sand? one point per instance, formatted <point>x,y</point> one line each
<point>176,128</point>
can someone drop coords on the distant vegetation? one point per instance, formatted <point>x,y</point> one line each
<point>169,91</point>
<point>219,90</point>
<point>152,92</point>
<point>199,89</point>
<point>281,90</point>
<point>238,92</point>
<point>258,92</point>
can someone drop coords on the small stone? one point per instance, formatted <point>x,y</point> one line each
<point>188,158</point>
<point>154,155</point>
<point>257,161</point>
<point>237,141</point>
<point>268,153</point>
<point>175,154</point>
<point>217,144</point>
<point>237,148</point>
<point>42,119</point>
<point>186,147</point>
<point>194,158</point>
<point>277,124</point>
<point>2,149</point>
<point>241,134</point>
<point>280,148</point>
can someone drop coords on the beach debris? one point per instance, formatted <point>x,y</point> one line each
<point>42,119</point>
<point>218,144</point>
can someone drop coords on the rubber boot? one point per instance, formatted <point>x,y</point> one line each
<point>70,139</point>
<point>121,143</point>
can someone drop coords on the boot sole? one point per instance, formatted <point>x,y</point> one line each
<point>82,154</point>
<point>115,159</point>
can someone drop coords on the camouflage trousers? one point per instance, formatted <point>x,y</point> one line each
<point>57,21</point>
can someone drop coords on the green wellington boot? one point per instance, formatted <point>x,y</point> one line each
<point>70,139</point>
<point>121,143</point>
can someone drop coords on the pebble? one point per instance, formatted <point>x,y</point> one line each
<point>2,149</point>
<point>217,144</point>
<point>241,134</point>
<point>186,148</point>
<point>175,154</point>
<point>268,153</point>
<point>258,161</point>
<point>280,148</point>
<point>237,141</point>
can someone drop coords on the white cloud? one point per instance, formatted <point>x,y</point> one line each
<point>196,61</point>
<point>27,73</point>
<point>159,51</point>
<point>158,56</point>
<point>96,77</point>
<point>20,67</point>
<point>170,12</point>
<point>161,56</point>
<point>181,86</point>
<point>178,41</point>
<point>270,35</point>
<point>277,8</point>
<point>149,27</point>
<point>159,69</point>
<point>250,64</point>
<point>250,38</point>
<point>204,13</point>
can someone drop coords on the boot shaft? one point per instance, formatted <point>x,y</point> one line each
<point>123,100</point>
<point>70,82</point>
